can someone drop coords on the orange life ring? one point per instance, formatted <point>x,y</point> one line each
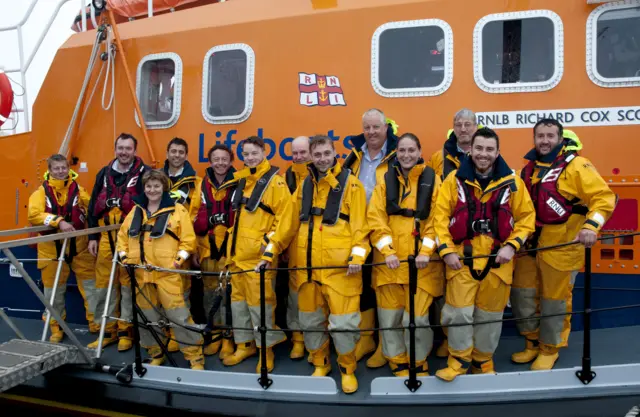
<point>6,97</point>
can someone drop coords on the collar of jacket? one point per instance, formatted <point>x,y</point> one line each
<point>467,170</point>
<point>532,155</point>
<point>301,169</point>
<point>358,141</point>
<point>166,203</point>
<point>414,172</point>
<point>228,179</point>
<point>137,161</point>
<point>256,172</point>
<point>187,172</point>
<point>451,146</point>
<point>58,184</point>
<point>331,175</point>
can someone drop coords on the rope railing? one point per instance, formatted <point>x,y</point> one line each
<point>585,374</point>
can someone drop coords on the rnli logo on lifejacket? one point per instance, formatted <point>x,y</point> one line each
<point>555,206</point>
<point>320,90</point>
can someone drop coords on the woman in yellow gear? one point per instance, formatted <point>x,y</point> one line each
<point>159,232</point>
<point>260,199</point>
<point>401,222</point>
<point>328,221</point>
<point>60,202</point>
<point>573,202</point>
<point>483,209</point>
<point>212,216</point>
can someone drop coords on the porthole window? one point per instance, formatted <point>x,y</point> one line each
<point>227,95</point>
<point>412,58</point>
<point>613,45</point>
<point>518,52</point>
<point>159,88</point>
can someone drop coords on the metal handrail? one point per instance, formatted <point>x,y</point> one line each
<point>56,236</point>
<point>24,230</point>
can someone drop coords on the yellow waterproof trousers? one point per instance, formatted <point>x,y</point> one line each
<point>320,307</point>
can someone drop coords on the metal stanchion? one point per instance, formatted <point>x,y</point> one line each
<point>264,380</point>
<point>105,315</point>
<point>140,370</point>
<point>586,375</point>
<point>55,288</point>
<point>412,383</point>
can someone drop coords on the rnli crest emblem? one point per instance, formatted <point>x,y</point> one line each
<point>320,90</point>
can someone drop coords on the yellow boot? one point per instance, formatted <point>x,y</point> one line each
<point>399,369</point>
<point>94,328</point>
<point>213,347</point>
<point>297,351</point>
<point>125,339</point>
<point>109,338</point>
<point>366,344</point>
<point>485,367</point>
<point>173,346</point>
<point>270,361</point>
<point>546,359</point>
<point>158,360</point>
<point>320,359</point>
<point>244,351</point>
<point>443,349</point>
<point>349,383</point>
<point>454,368</point>
<point>529,353</point>
<point>56,334</point>
<point>228,347</point>
<point>197,364</point>
<point>377,360</point>
<point>423,369</point>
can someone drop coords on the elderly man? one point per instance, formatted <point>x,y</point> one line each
<point>372,151</point>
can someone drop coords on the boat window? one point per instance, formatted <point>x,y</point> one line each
<point>159,85</point>
<point>412,58</point>
<point>228,84</point>
<point>613,45</point>
<point>518,52</point>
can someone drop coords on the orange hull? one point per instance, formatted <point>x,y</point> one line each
<point>290,37</point>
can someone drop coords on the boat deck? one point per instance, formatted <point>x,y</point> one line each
<point>615,358</point>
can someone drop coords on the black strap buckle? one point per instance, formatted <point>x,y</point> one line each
<point>481,226</point>
<point>218,218</point>
<point>113,202</point>
<point>316,211</point>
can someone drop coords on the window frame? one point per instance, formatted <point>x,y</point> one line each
<point>249,84</point>
<point>177,89</point>
<point>420,91</point>
<point>524,87</point>
<point>592,46</point>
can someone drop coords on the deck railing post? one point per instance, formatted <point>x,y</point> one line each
<point>107,302</point>
<point>586,375</point>
<point>264,380</point>
<point>140,370</point>
<point>412,383</point>
<point>55,288</point>
<point>56,315</point>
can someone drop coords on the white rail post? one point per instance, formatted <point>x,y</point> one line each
<point>55,288</point>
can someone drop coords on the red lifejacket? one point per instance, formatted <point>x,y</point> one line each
<point>551,206</point>
<point>111,195</point>
<point>471,217</point>
<point>214,213</point>
<point>72,211</point>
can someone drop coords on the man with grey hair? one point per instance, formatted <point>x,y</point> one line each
<point>369,157</point>
<point>294,176</point>
<point>458,143</point>
<point>443,162</point>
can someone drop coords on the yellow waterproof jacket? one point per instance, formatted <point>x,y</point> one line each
<point>519,201</point>
<point>298,172</point>
<point>184,186</point>
<point>175,245</point>
<point>38,215</point>
<point>219,192</point>
<point>393,235</point>
<point>579,180</point>
<point>453,155</point>
<point>340,244</point>
<point>252,230</point>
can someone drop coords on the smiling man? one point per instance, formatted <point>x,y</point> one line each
<point>327,225</point>
<point>572,203</point>
<point>111,200</point>
<point>482,209</point>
